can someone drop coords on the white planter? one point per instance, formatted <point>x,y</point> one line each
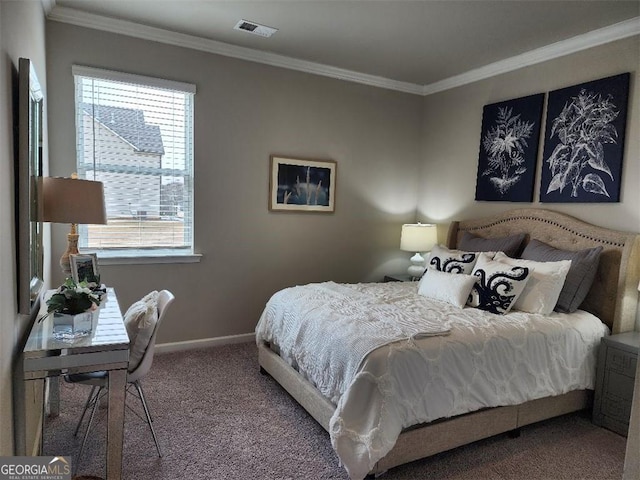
<point>79,324</point>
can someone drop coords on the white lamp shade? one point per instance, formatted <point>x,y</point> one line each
<point>418,237</point>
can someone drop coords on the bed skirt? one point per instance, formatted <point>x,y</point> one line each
<point>427,439</point>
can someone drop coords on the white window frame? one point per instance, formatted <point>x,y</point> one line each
<point>127,255</point>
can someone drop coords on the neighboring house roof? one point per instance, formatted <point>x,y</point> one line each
<point>129,124</point>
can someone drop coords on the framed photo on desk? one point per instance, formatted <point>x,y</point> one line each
<point>84,267</point>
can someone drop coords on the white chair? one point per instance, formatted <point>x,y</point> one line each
<point>99,380</point>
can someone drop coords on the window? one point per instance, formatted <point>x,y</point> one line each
<point>135,134</point>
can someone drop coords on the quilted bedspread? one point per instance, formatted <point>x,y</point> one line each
<point>390,358</point>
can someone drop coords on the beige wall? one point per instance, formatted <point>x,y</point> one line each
<point>22,34</point>
<point>451,137</point>
<point>394,151</point>
<point>243,113</point>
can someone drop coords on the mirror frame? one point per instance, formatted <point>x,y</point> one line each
<point>29,248</point>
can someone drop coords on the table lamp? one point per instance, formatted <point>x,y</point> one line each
<point>74,201</point>
<point>418,237</point>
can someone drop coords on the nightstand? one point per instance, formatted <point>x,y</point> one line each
<point>617,359</point>
<point>401,277</point>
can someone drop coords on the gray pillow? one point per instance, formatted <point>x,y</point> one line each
<point>584,265</point>
<point>509,245</point>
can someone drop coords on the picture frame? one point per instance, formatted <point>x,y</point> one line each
<point>584,142</point>
<point>509,149</point>
<point>84,266</point>
<point>302,185</point>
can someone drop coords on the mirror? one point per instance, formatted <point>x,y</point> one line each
<point>28,169</point>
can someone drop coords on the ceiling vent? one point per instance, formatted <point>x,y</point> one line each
<point>255,28</point>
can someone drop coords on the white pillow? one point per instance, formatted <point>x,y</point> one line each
<point>451,261</point>
<point>449,287</point>
<point>541,292</point>
<point>498,286</point>
<point>140,321</point>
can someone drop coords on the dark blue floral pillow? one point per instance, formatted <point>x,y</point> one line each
<point>498,286</point>
<point>451,261</point>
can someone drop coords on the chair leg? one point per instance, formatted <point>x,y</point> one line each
<point>146,411</point>
<point>86,433</point>
<point>84,411</point>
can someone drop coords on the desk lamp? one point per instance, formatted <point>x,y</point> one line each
<point>74,201</point>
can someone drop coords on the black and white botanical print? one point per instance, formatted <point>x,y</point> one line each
<point>584,142</point>
<point>504,144</point>
<point>508,149</point>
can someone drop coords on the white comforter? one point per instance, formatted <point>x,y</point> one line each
<point>474,359</point>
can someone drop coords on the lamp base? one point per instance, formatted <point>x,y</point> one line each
<point>72,249</point>
<point>417,266</point>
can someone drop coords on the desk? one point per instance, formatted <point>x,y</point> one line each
<point>106,348</point>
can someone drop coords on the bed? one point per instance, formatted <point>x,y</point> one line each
<point>612,298</point>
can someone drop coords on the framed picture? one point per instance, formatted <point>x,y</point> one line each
<point>584,141</point>
<point>509,149</point>
<point>84,267</point>
<point>299,185</point>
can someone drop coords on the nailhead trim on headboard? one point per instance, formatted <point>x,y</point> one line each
<point>547,221</point>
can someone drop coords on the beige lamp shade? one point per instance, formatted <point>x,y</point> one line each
<point>418,237</point>
<point>74,201</point>
<point>71,200</point>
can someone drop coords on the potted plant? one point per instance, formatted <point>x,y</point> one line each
<point>72,305</point>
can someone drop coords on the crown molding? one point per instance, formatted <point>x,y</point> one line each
<point>618,31</point>
<point>125,27</point>
<point>48,6</point>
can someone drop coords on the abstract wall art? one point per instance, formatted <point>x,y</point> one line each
<point>300,185</point>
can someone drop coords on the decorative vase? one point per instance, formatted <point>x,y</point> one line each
<point>79,324</point>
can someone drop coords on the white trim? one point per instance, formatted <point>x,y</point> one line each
<point>143,258</point>
<point>205,343</point>
<point>102,74</point>
<point>618,31</point>
<point>123,27</point>
<point>47,6</point>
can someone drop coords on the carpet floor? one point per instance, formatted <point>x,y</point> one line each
<point>217,417</point>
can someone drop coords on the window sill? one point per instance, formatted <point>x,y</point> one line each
<point>138,259</point>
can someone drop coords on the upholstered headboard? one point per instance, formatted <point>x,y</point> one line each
<point>613,296</point>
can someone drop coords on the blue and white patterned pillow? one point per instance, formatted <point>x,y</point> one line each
<point>452,261</point>
<point>498,286</point>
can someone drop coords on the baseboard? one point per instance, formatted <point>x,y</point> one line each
<point>204,343</point>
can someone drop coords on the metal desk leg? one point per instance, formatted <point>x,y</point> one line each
<point>115,428</point>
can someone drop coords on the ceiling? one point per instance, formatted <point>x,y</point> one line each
<point>417,43</point>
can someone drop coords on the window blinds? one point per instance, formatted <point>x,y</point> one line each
<point>135,134</point>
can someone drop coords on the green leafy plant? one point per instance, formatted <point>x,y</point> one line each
<point>72,298</point>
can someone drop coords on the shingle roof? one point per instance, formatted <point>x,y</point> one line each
<point>129,124</point>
